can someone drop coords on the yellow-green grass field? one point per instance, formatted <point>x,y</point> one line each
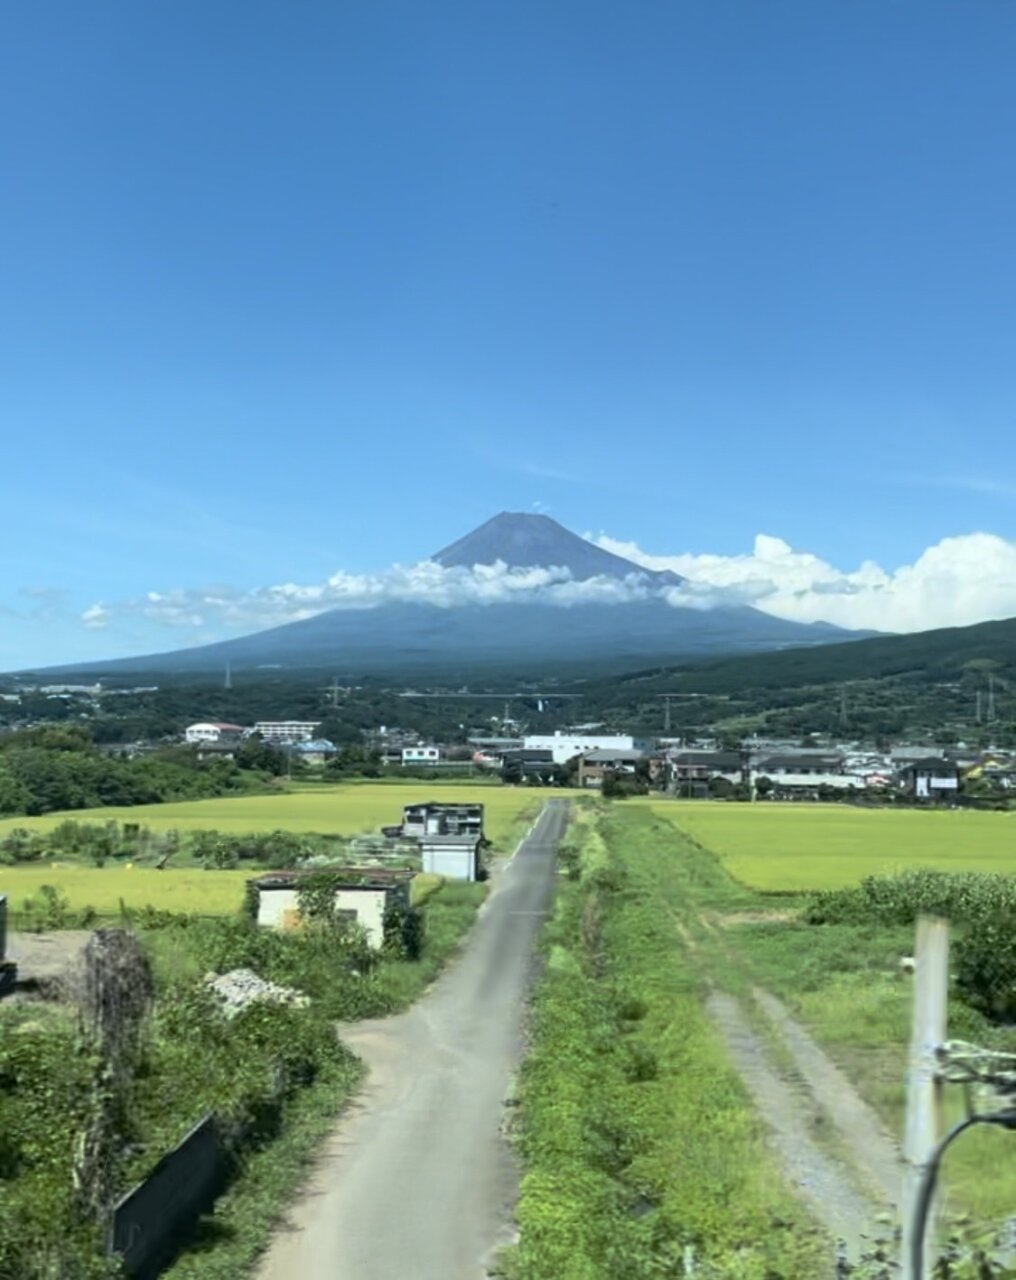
<point>343,809</point>
<point>805,847</point>
<point>346,809</point>
<point>191,890</point>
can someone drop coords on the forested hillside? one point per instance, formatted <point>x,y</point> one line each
<point>49,769</point>
<point>959,681</point>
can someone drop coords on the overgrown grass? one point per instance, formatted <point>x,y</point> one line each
<point>843,979</point>
<point>276,1076</point>
<point>641,1150</point>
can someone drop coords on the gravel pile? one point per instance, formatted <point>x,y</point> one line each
<point>242,987</point>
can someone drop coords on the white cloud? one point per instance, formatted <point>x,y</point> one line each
<point>96,616</point>
<point>960,580</point>
<point>231,610</point>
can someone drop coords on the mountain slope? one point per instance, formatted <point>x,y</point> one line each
<point>401,636</point>
<point>525,541</point>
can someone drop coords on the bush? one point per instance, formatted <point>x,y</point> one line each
<point>962,897</point>
<point>986,967</point>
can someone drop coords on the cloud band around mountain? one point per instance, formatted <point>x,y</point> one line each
<point>960,580</point>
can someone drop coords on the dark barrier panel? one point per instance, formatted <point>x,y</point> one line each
<point>149,1221</point>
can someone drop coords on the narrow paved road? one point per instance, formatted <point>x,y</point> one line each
<point>418,1180</point>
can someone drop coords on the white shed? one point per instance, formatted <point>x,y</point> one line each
<point>457,857</point>
<point>362,902</point>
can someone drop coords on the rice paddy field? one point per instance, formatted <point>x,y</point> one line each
<point>788,848</point>
<point>347,810</point>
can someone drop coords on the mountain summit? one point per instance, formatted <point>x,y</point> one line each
<point>522,540</point>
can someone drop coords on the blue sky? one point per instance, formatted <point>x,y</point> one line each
<point>293,288</point>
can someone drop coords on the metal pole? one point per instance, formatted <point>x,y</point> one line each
<point>926,1189</point>
<point>924,1087</point>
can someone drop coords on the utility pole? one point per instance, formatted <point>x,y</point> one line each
<point>991,698</point>
<point>923,1120</point>
<point>978,706</point>
<point>228,683</point>
<point>666,713</point>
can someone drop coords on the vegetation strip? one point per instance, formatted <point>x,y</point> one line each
<point>642,1154</point>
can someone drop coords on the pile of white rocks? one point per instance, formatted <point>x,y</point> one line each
<point>242,987</point>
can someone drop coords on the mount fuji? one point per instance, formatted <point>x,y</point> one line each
<point>519,593</point>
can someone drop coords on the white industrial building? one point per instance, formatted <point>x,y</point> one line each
<point>283,731</point>
<point>565,746</point>
<point>213,731</point>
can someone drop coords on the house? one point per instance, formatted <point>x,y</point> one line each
<point>214,731</point>
<point>930,779</point>
<point>565,746</point>
<point>595,765</point>
<point>315,752</point>
<point>362,896</point>
<point>689,773</point>
<point>456,856</point>
<point>421,755</point>
<point>280,732</point>
<point>532,763</point>
<point>800,764</point>
<point>435,818</point>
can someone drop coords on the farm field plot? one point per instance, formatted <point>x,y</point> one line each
<point>206,893</point>
<point>804,847</point>
<point>348,809</point>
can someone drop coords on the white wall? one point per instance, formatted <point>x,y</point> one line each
<point>566,746</point>
<point>203,733</point>
<point>802,780</point>
<point>279,908</point>
<point>456,861</point>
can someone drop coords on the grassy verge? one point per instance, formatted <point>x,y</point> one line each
<point>843,981</point>
<point>642,1154</point>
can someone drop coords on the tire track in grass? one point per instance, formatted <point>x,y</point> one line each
<point>872,1151</point>
<point>828,1191</point>
<point>845,1195</point>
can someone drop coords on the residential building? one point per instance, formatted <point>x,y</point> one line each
<point>436,818</point>
<point>280,732</point>
<point>930,779</point>
<point>595,765</point>
<point>527,762</point>
<point>799,763</point>
<point>315,752</point>
<point>362,896</point>
<point>214,731</point>
<point>689,773</point>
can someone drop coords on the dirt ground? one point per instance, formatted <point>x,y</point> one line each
<point>46,960</point>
